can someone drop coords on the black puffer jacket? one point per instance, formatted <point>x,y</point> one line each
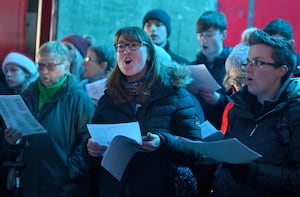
<point>170,110</point>
<point>276,137</point>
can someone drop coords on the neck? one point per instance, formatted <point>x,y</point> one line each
<point>96,77</point>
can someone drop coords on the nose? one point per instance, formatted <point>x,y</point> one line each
<point>7,73</point>
<point>43,70</point>
<point>153,27</point>
<point>84,63</point>
<point>127,49</point>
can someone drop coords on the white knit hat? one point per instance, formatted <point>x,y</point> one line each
<point>22,61</point>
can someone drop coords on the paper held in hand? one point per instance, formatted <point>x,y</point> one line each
<point>16,115</point>
<point>227,150</point>
<point>201,79</point>
<point>104,133</point>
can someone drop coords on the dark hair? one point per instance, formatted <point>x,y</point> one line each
<point>209,19</point>
<point>281,27</point>
<point>105,54</point>
<point>283,53</point>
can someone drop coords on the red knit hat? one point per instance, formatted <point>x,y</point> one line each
<point>79,42</point>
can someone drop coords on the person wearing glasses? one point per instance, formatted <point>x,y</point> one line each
<point>54,163</point>
<point>97,64</point>
<point>141,88</point>
<point>265,117</point>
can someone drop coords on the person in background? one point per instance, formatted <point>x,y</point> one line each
<point>4,88</point>
<point>157,23</point>
<point>54,163</point>
<point>235,76</point>
<point>77,46</point>
<point>98,62</point>
<point>265,117</point>
<point>20,71</point>
<point>140,88</point>
<point>282,28</point>
<point>211,32</point>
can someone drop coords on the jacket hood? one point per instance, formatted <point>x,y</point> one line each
<point>179,75</point>
<point>293,89</point>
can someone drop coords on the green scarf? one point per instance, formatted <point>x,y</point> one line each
<point>47,93</point>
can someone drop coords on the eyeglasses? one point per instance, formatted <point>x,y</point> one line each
<point>49,66</point>
<point>133,46</point>
<point>256,62</point>
<point>89,59</point>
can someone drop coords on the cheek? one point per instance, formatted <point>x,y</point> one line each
<point>20,76</point>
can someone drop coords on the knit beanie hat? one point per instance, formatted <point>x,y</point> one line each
<point>159,15</point>
<point>79,42</point>
<point>22,61</point>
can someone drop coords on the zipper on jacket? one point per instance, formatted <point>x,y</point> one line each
<point>254,129</point>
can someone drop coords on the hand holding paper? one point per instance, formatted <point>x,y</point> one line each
<point>95,149</point>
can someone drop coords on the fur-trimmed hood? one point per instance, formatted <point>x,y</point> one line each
<point>179,75</point>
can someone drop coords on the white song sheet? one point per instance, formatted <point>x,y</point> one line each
<point>15,114</point>
<point>104,133</point>
<point>122,148</point>
<point>201,79</point>
<point>227,150</point>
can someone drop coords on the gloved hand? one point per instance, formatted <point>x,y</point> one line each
<point>243,173</point>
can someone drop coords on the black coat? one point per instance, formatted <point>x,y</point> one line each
<point>275,134</point>
<point>169,111</point>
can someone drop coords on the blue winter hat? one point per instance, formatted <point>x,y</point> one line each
<point>160,15</point>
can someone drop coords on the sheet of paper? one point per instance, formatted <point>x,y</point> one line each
<point>202,79</point>
<point>16,115</point>
<point>118,154</point>
<point>96,89</point>
<point>209,132</point>
<point>104,133</point>
<point>228,150</point>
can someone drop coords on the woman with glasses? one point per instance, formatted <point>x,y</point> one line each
<point>265,117</point>
<point>140,88</point>
<point>54,163</point>
<point>98,62</point>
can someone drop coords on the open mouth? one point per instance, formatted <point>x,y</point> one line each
<point>128,61</point>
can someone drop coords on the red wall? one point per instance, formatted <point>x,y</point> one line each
<point>236,12</point>
<point>12,26</point>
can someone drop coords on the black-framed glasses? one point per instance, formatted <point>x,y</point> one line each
<point>89,59</point>
<point>256,62</point>
<point>49,66</point>
<point>133,45</point>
